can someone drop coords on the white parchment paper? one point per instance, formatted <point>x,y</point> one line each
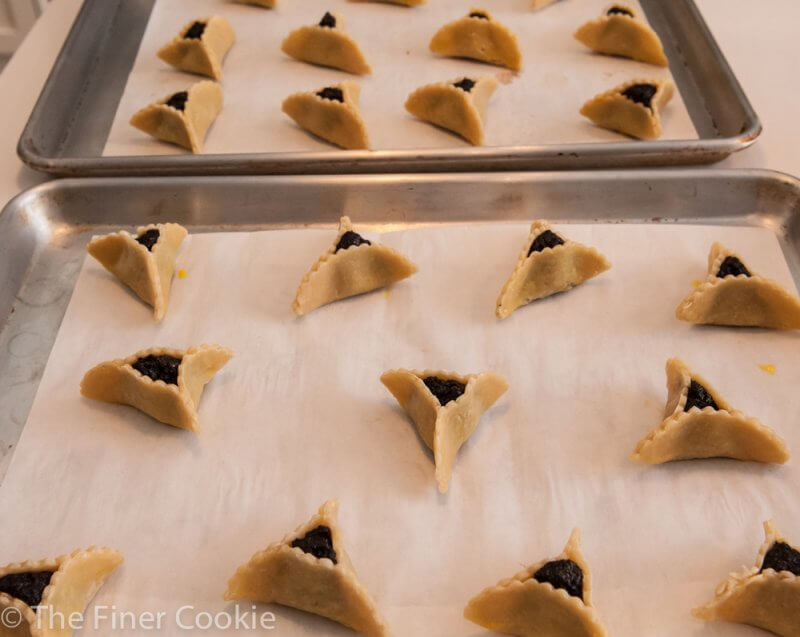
<point>299,416</point>
<point>540,106</point>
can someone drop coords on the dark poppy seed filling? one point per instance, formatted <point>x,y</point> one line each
<point>444,390</point>
<point>782,557</point>
<point>318,542</point>
<point>28,587</point>
<point>619,11</point>
<point>163,367</point>
<point>465,85</point>
<point>641,94</point>
<point>331,93</point>
<point>149,238</point>
<point>479,14</point>
<point>547,239</point>
<point>195,31</point>
<point>699,397</point>
<point>350,239</point>
<point>178,101</point>
<point>564,574</point>
<point>732,266</point>
<point>328,21</point>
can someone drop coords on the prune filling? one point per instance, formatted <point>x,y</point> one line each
<point>564,574</point>
<point>479,14</point>
<point>331,93</point>
<point>318,542</point>
<point>619,11</point>
<point>641,94</point>
<point>699,397</point>
<point>444,390</point>
<point>178,101</point>
<point>782,557</point>
<point>149,238</point>
<point>547,239</point>
<point>328,21</point>
<point>465,85</point>
<point>350,239</point>
<point>28,587</point>
<point>162,367</point>
<point>195,31</point>
<point>732,266</point>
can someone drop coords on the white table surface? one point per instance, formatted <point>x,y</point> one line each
<point>759,39</point>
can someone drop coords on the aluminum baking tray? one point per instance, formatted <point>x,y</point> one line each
<point>70,123</point>
<point>44,231</point>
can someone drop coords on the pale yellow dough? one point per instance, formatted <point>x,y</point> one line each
<point>482,39</point>
<point>185,128</point>
<point>337,122</point>
<point>444,428</point>
<point>203,55</point>
<point>541,4</point>
<point>616,112</point>
<point>147,273</point>
<point>739,300</point>
<point>768,600</point>
<point>454,109</point>
<point>327,46</point>
<point>548,271</point>
<point>525,607</point>
<point>286,575</point>
<point>348,272</point>
<point>623,35</point>
<point>76,579</point>
<point>706,433</point>
<point>118,382</point>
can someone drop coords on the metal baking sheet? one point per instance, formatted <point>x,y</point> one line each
<point>70,124</point>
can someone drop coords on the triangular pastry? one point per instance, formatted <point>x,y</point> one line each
<point>458,105</point>
<point>200,47</point>
<point>445,407</point>
<point>550,599</point>
<point>327,45</point>
<point>478,36</point>
<point>145,262</point>
<point>60,587</point>
<point>547,264</point>
<point>766,595</point>
<point>352,265</point>
<point>330,113</point>
<point>699,423</point>
<point>632,108</point>
<point>619,31</point>
<point>182,118</point>
<point>164,383</point>
<point>733,295</point>
<point>310,570</point>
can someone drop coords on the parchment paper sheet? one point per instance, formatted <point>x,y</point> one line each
<point>540,106</point>
<point>299,416</point>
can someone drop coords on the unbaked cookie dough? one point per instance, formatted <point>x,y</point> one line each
<point>331,113</point>
<point>457,105</point>
<point>182,118</point>
<point>546,265</point>
<point>619,31</point>
<point>633,108</point>
<point>478,36</point>
<point>732,295</point>
<point>445,407</point>
<point>352,265</point>
<point>310,570</point>
<point>145,262</point>
<point>699,423</point>
<point>552,598</point>
<point>326,44</point>
<point>200,47</point>
<point>164,383</point>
